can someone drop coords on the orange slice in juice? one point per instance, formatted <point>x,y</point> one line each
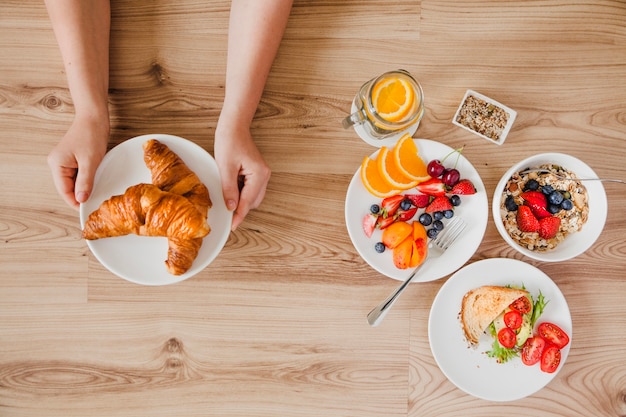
<point>408,161</point>
<point>373,181</point>
<point>390,172</point>
<point>393,98</point>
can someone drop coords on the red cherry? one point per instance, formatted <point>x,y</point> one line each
<point>435,168</point>
<point>451,177</point>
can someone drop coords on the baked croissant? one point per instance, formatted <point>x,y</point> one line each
<point>146,210</point>
<point>170,173</point>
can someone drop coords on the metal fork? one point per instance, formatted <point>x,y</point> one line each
<point>565,177</point>
<point>436,247</point>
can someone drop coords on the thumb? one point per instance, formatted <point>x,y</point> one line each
<point>230,190</point>
<point>84,182</point>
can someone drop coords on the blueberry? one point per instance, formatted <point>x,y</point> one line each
<point>510,203</point>
<point>379,247</point>
<point>553,208</point>
<point>432,233</point>
<point>425,219</point>
<point>455,200</point>
<point>567,204</point>
<point>448,214</point>
<point>555,198</point>
<point>438,225</point>
<point>547,189</point>
<point>531,185</point>
<point>374,208</point>
<point>405,204</point>
<point>438,215</point>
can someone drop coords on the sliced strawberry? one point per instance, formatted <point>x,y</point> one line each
<point>526,220</point>
<point>433,186</point>
<point>383,222</point>
<point>418,200</point>
<point>441,203</point>
<point>369,224</point>
<point>390,204</point>
<point>537,202</point>
<point>549,227</point>
<point>463,187</point>
<point>406,215</point>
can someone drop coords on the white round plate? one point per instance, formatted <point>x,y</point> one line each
<point>473,209</point>
<point>377,142</point>
<point>140,259</point>
<point>470,369</point>
<point>575,243</point>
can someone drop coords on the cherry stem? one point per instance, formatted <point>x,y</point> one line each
<point>458,151</point>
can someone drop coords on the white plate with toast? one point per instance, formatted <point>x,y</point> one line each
<point>140,259</point>
<point>474,209</point>
<point>468,367</point>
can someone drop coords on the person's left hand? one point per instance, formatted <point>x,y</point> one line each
<point>243,171</point>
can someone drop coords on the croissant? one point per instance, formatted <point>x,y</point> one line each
<point>146,210</point>
<point>170,173</point>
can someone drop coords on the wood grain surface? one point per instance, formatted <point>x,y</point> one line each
<point>275,326</point>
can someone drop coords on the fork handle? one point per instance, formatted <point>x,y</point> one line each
<point>379,312</point>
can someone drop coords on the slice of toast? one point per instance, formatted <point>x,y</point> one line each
<point>483,305</point>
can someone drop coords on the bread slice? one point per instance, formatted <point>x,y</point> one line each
<point>483,305</point>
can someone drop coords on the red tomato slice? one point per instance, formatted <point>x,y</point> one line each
<point>550,359</point>
<point>522,305</point>
<point>513,319</point>
<point>532,350</point>
<point>553,334</point>
<point>507,337</point>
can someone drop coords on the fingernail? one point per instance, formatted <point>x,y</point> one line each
<point>231,204</point>
<point>82,196</point>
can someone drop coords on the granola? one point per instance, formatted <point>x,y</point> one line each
<point>571,220</point>
<point>482,117</point>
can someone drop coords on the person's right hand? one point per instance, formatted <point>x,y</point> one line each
<point>74,160</point>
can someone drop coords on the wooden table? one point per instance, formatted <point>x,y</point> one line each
<point>275,326</point>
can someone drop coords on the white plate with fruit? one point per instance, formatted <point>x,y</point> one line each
<point>366,228</point>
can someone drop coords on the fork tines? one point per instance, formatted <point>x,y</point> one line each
<point>450,233</point>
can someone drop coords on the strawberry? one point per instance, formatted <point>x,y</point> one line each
<point>406,215</point>
<point>418,200</point>
<point>537,202</point>
<point>434,187</point>
<point>441,203</point>
<point>390,204</point>
<point>463,187</point>
<point>549,227</point>
<point>526,220</point>
<point>383,222</point>
<point>369,224</point>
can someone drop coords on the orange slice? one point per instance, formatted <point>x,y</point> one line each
<point>393,98</point>
<point>390,172</point>
<point>407,159</point>
<point>372,180</point>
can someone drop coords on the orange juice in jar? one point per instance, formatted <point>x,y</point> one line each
<point>387,105</point>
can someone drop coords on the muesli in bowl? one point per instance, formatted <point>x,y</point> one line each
<point>549,216</point>
<point>556,207</point>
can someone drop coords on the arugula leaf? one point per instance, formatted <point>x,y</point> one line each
<point>538,308</point>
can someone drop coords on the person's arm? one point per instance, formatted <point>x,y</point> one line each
<point>82,30</point>
<point>254,35</point>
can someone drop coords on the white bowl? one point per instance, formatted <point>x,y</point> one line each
<point>574,244</point>
<point>512,114</point>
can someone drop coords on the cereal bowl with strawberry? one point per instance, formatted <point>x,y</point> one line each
<point>402,196</point>
<point>543,210</point>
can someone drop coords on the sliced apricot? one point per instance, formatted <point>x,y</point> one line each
<point>402,253</point>
<point>419,252</point>
<point>419,231</point>
<point>396,233</point>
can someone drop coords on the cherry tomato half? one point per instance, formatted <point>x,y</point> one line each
<point>553,334</point>
<point>550,359</point>
<point>522,305</point>
<point>513,319</point>
<point>532,350</point>
<point>507,337</point>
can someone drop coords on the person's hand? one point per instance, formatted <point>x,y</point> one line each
<point>244,173</point>
<point>76,157</point>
